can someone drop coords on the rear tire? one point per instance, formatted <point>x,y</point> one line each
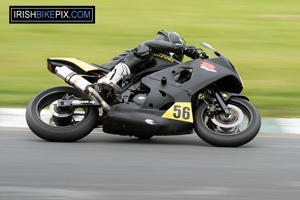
<point>54,132</point>
<point>239,134</point>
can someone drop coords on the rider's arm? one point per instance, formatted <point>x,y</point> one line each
<point>163,46</point>
<point>166,47</point>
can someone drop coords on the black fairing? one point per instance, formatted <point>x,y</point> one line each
<point>130,119</point>
<point>165,87</point>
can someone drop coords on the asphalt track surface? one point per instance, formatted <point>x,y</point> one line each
<point>103,166</point>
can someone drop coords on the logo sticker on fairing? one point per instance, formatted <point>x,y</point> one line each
<point>207,66</point>
<point>181,111</point>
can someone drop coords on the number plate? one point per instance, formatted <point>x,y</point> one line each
<point>181,111</point>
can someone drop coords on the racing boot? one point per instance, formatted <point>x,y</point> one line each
<point>109,82</point>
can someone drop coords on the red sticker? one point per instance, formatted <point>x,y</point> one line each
<point>208,66</point>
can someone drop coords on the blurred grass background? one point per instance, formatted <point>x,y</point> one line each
<point>260,37</point>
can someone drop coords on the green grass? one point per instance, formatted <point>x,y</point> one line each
<point>260,37</point>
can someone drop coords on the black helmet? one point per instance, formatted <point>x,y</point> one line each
<point>172,37</point>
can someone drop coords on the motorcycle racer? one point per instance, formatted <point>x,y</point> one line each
<point>133,60</point>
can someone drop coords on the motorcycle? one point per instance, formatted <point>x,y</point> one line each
<point>167,98</point>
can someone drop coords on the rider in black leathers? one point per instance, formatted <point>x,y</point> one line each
<point>167,42</point>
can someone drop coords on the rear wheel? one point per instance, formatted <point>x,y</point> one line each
<point>60,125</point>
<point>236,129</point>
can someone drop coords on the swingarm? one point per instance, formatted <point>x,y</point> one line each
<point>76,103</point>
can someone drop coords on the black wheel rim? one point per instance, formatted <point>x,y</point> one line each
<point>45,116</point>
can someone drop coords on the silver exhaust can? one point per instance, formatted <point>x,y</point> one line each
<point>72,78</point>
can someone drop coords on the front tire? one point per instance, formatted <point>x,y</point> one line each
<point>219,131</point>
<point>48,128</point>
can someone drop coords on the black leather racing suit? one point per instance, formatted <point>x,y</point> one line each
<point>143,54</point>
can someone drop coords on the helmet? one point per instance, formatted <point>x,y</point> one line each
<point>173,37</point>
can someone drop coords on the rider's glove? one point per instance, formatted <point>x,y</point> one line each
<point>203,55</point>
<point>191,52</point>
<point>178,48</point>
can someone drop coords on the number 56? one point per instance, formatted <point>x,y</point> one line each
<point>183,112</point>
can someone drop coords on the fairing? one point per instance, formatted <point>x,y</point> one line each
<point>164,87</point>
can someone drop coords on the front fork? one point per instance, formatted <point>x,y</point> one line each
<point>221,103</point>
<point>216,101</point>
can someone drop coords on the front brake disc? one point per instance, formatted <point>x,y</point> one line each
<point>234,119</point>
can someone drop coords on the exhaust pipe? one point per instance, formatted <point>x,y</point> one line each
<point>73,79</point>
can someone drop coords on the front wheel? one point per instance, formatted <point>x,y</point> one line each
<point>51,124</point>
<point>233,130</point>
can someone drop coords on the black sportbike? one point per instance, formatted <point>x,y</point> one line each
<point>167,98</point>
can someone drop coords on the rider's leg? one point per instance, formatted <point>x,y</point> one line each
<point>140,55</point>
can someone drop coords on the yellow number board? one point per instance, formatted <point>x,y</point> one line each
<point>181,111</point>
